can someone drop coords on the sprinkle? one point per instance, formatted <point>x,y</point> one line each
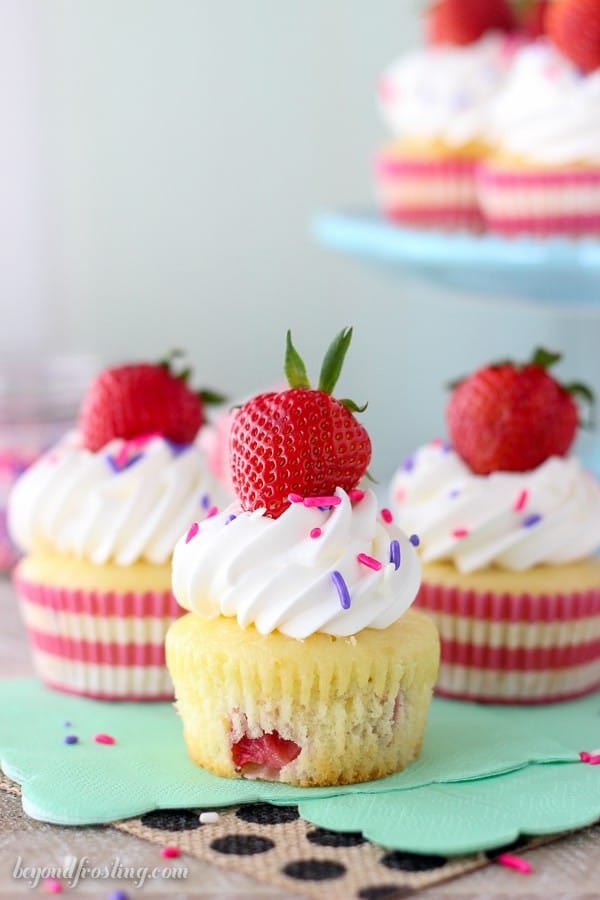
<point>386,515</point>
<point>208,818</point>
<point>514,862</point>
<point>342,589</point>
<point>584,756</point>
<point>52,885</point>
<point>192,532</point>
<point>533,519</point>
<point>455,492</point>
<point>118,895</point>
<point>415,540</point>
<point>521,501</point>
<point>315,532</point>
<point>212,512</point>
<point>399,495</point>
<point>104,739</point>
<point>408,464</point>
<point>395,554</point>
<point>356,494</point>
<point>170,852</point>
<point>70,739</point>
<point>322,501</point>
<point>230,518</point>
<point>460,533</point>
<point>122,461</point>
<point>369,561</point>
<point>592,759</point>
<point>295,498</point>
<point>205,501</point>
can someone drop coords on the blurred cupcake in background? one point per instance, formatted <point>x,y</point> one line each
<point>98,517</point>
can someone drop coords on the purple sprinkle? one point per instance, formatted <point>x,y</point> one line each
<point>324,508</point>
<point>175,448</point>
<point>454,493</point>
<point>117,466</point>
<point>446,447</point>
<point>71,739</point>
<point>205,501</point>
<point>408,464</point>
<point>118,895</point>
<point>533,519</point>
<point>395,554</point>
<point>342,589</point>
<point>414,539</point>
<point>230,518</point>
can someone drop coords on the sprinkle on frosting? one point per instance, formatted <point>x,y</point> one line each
<point>212,512</point>
<point>369,561</point>
<point>415,540</point>
<point>230,518</point>
<point>205,501</point>
<point>315,532</point>
<point>460,532</point>
<point>342,589</point>
<point>356,495</point>
<point>395,553</point>
<point>192,532</point>
<point>531,520</point>
<point>322,502</point>
<point>408,464</point>
<point>386,515</point>
<point>119,463</point>
<point>521,501</point>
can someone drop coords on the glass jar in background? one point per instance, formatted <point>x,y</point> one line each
<point>39,403</point>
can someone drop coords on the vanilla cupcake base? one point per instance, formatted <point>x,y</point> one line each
<point>98,631</point>
<point>346,709</point>
<point>516,637</point>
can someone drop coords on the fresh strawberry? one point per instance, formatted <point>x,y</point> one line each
<point>507,417</point>
<point>465,21</point>
<point>300,441</point>
<point>141,399</point>
<point>532,18</point>
<point>269,750</point>
<point>574,27</point>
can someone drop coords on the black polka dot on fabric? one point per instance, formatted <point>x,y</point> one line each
<point>171,820</point>
<point>412,862</point>
<point>325,838</point>
<point>381,891</point>
<point>314,869</point>
<point>242,844</point>
<point>267,814</point>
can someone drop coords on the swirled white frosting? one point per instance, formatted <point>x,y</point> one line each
<point>445,92</point>
<point>273,574</point>
<point>548,111</point>
<point>122,504</point>
<point>512,520</point>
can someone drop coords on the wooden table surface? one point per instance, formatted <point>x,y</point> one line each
<point>569,868</point>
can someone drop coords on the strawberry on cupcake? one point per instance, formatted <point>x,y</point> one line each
<point>299,660</point>
<point>509,526</point>
<point>98,517</point>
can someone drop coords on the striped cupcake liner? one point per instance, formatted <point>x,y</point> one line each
<point>515,648</point>
<point>428,192</point>
<point>100,644</point>
<point>540,203</point>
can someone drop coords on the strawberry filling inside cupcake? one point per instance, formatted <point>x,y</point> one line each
<point>264,756</point>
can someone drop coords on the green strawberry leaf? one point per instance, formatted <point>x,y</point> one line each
<point>211,398</point>
<point>334,360</point>
<point>169,358</point>
<point>545,358</point>
<point>583,392</point>
<point>353,407</point>
<point>294,368</point>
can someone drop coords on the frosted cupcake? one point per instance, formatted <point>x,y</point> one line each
<point>98,517</point>
<point>436,102</point>
<point>543,176</point>
<point>300,661</point>
<point>509,527</point>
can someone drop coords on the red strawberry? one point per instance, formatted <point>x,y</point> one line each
<point>532,19</point>
<point>301,440</point>
<point>465,21</point>
<point>268,750</point>
<point>574,27</point>
<point>138,399</point>
<point>507,417</point>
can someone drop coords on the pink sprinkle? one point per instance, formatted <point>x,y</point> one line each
<point>584,756</point>
<point>315,532</point>
<point>295,498</point>
<point>123,455</point>
<point>53,885</point>
<point>369,561</point>
<point>212,512</point>
<point>104,739</point>
<point>386,515</point>
<point>400,495</point>
<point>592,759</point>
<point>193,531</point>
<point>356,494</point>
<point>521,501</point>
<point>322,501</point>
<point>514,862</point>
<point>460,532</point>
<point>436,442</point>
<point>170,852</point>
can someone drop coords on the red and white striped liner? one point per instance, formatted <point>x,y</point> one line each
<point>515,648</point>
<point>428,192</point>
<point>564,201</point>
<point>107,645</point>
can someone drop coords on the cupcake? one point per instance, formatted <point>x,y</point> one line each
<point>543,175</point>
<point>509,526</point>
<point>300,660</point>
<point>98,517</point>
<point>435,102</point>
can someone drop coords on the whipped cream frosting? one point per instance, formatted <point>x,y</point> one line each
<point>512,520</point>
<point>129,501</point>
<point>273,574</point>
<point>444,92</point>
<point>548,111</point>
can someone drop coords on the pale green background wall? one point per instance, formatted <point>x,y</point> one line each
<point>161,163</point>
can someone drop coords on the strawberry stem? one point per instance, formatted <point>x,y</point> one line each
<point>294,368</point>
<point>545,358</point>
